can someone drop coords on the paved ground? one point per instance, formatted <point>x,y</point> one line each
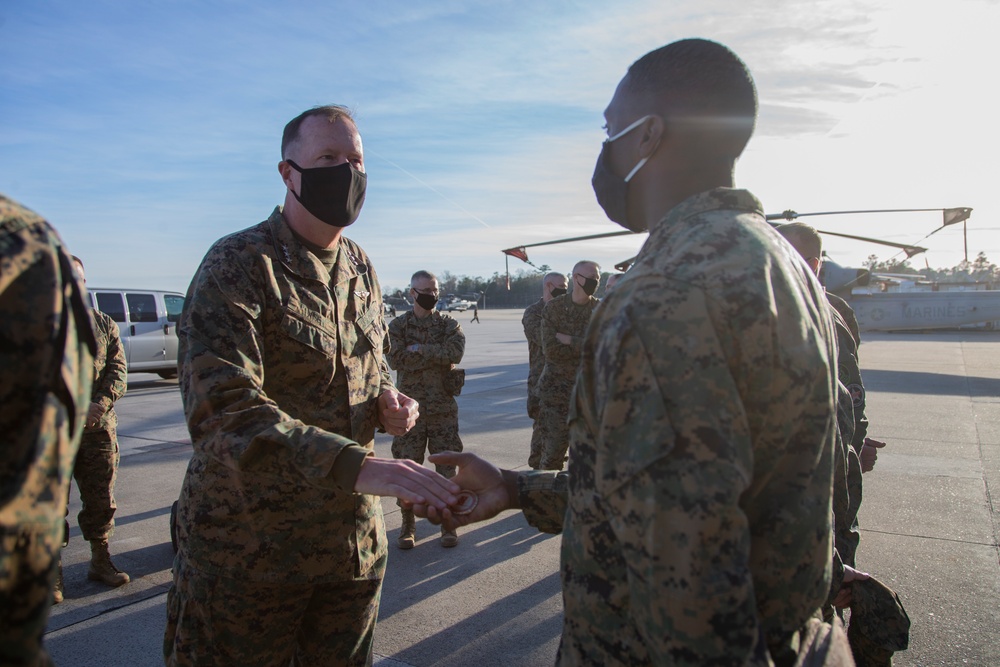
<point>929,518</point>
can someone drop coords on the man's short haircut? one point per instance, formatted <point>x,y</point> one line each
<point>587,261</point>
<point>77,260</point>
<point>332,112</point>
<point>553,275</point>
<point>422,275</point>
<point>803,238</point>
<point>701,82</point>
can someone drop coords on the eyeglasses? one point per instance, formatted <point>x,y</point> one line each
<point>597,277</point>
<point>428,292</point>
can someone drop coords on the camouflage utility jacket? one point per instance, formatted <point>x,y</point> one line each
<point>421,374</point>
<point>280,370</point>
<point>46,355</point>
<point>702,427</point>
<point>110,369</point>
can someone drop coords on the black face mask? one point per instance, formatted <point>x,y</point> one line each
<point>557,291</point>
<point>611,190</point>
<point>426,301</point>
<point>589,286</point>
<point>334,195</point>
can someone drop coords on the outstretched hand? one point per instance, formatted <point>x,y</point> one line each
<point>496,490</point>
<point>407,480</point>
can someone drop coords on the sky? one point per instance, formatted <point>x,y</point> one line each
<point>145,131</point>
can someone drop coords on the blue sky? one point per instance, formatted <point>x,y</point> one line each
<point>145,131</point>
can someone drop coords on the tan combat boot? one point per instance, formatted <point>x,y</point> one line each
<point>101,567</point>
<point>449,538</point>
<point>57,590</point>
<point>407,532</point>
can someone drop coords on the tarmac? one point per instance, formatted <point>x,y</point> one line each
<point>929,519</point>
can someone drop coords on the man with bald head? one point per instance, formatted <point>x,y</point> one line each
<point>553,284</point>
<point>696,509</point>
<point>281,535</point>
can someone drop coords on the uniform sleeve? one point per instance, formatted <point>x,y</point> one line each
<point>112,383</point>
<point>397,343</point>
<point>552,348</point>
<point>221,374</point>
<point>532,323</point>
<point>674,459</point>
<point>450,350</point>
<point>542,495</point>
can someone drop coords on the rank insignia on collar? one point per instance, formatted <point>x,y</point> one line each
<point>288,255</point>
<point>360,293</point>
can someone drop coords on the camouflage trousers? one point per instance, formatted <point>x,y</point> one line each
<point>218,620</point>
<point>95,471</point>
<point>432,433</point>
<point>28,562</point>
<point>537,433</point>
<point>552,430</point>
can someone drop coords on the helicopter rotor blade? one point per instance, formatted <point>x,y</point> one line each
<point>910,250</point>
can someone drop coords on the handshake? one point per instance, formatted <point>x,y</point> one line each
<point>486,491</point>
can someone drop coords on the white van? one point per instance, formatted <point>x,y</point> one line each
<point>147,320</point>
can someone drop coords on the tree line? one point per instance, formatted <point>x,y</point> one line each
<point>979,270</point>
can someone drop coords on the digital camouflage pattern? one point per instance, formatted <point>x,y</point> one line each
<point>532,323</point>
<point>46,353</point>
<point>560,315</point>
<point>879,624</point>
<point>853,425</point>
<point>698,526</point>
<point>280,370</point>
<point>96,466</point>
<point>338,628</point>
<point>422,375</point>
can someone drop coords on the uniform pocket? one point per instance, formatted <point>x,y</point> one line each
<point>308,333</point>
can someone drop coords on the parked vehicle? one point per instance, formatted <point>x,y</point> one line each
<point>147,320</point>
<point>451,302</point>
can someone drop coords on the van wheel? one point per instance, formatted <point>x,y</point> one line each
<point>167,375</point>
<point>173,526</point>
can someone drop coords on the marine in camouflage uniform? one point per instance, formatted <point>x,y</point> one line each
<point>424,346</point>
<point>284,383</point>
<point>696,519</point>
<point>46,355</point>
<point>702,448</point>
<point>568,315</point>
<point>96,464</point>
<point>553,285</point>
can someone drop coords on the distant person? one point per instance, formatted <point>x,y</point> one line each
<point>611,282</point>
<point>564,321</point>
<point>696,510</point>
<point>425,345</point>
<point>283,380</point>
<point>553,284</point>
<point>46,370</point>
<point>96,466</point>
<point>475,313</point>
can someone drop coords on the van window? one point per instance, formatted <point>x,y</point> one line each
<point>141,308</point>
<point>175,304</point>
<point>111,305</point>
